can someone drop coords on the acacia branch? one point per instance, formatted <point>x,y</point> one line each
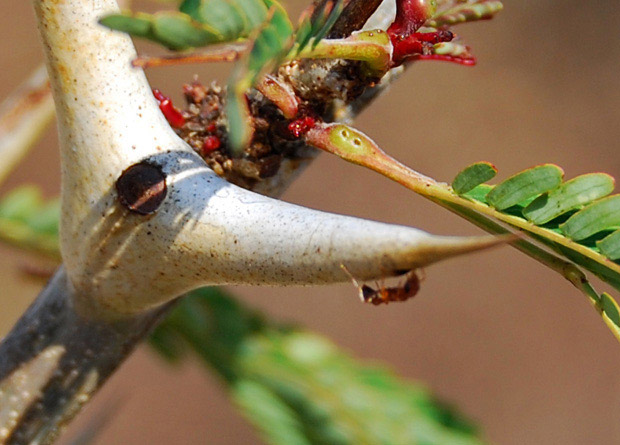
<point>144,220</point>
<point>54,360</point>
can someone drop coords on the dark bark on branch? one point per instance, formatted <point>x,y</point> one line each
<point>54,360</point>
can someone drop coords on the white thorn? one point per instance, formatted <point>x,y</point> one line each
<point>206,231</point>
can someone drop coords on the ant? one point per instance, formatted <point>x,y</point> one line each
<point>385,295</point>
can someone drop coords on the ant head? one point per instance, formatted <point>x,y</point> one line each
<point>368,293</point>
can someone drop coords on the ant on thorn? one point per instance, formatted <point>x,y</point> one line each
<point>385,295</point>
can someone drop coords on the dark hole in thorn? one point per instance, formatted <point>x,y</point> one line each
<point>142,188</point>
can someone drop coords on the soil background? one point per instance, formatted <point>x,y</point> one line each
<point>510,343</point>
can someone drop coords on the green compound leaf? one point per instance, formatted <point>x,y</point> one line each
<point>466,12</point>
<point>297,387</point>
<point>198,23</point>
<point>571,195</point>
<point>525,185</point>
<point>573,240</point>
<point>585,227</point>
<point>473,176</point>
<point>595,218</point>
<point>610,246</point>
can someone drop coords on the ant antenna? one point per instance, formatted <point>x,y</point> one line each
<point>355,282</point>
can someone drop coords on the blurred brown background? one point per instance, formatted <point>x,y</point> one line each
<point>509,342</point>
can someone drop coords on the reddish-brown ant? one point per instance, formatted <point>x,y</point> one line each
<point>385,295</point>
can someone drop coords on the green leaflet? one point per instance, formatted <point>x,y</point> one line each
<point>219,15</point>
<point>611,309</point>
<point>593,219</point>
<point>611,314</point>
<point>178,31</point>
<point>610,246</point>
<point>200,23</point>
<point>297,387</point>
<point>174,30</point>
<point>473,176</point>
<point>139,25</point>
<point>601,215</point>
<point>571,195</point>
<point>232,19</point>
<point>479,193</point>
<point>254,13</point>
<point>525,185</point>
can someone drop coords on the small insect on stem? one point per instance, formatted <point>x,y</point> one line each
<point>385,295</point>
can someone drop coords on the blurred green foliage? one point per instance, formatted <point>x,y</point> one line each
<point>29,222</point>
<point>297,387</point>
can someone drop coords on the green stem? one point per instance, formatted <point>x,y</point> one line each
<point>355,147</point>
